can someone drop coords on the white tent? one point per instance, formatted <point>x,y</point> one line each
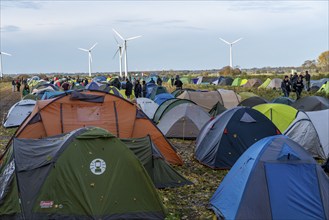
<point>18,112</point>
<point>311,130</point>
<point>148,106</point>
<point>230,98</point>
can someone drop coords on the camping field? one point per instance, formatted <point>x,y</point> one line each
<point>188,202</point>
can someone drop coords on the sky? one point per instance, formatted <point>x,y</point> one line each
<point>43,36</point>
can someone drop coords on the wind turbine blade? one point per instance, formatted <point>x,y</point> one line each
<point>5,53</point>
<point>115,39</point>
<point>83,49</point>
<point>93,46</point>
<point>224,41</point>
<point>237,41</point>
<point>132,38</point>
<point>118,34</point>
<point>116,52</point>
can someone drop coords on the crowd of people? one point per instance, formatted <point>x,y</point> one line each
<point>295,83</point>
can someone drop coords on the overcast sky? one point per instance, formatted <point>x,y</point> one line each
<point>43,36</point>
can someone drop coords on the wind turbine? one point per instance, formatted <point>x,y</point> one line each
<point>90,59</point>
<point>1,69</point>
<point>125,49</point>
<point>231,58</point>
<point>120,51</point>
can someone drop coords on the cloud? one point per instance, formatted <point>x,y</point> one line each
<point>10,28</point>
<point>21,4</point>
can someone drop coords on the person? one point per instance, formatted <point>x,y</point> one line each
<point>298,87</point>
<point>286,86</point>
<point>293,80</point>
<point>26,90</point>
<point>159,81</point>
<point>86,82</point>
<point>138,89</point>
<point>18,85</point>
<point>65,86</point>
<point>129,88</point>
<point>308,81</point>
<point>172,80</point>
<point>178,83</point>
<point>13,85</point>
<point>144,88</point>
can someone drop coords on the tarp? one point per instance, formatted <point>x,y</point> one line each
<point>18,113</point>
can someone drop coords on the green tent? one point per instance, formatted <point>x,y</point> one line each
<point>166,106</point>
<point>265,84</point>
<point>243,81</point>
<point>85,174</point>
<point>324,88</point>
<point>236,82</point>
<point>185,80</point>
<point>217,109</point>
<point>161,173</point>
<point>280,114</point>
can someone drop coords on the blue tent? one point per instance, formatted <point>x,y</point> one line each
<point>274,179</point>
<point>99,79</point>
<point>50,95</point>
<point>159,99</point>
<point>93,86</point>
<point>149,88</point>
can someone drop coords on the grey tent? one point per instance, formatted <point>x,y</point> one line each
<point>161,173</point>
<point>19,112</point>
<point>310,130</point>
<point>227,81</point>
<point>217,109</point>
<point>148,106</point>
<point>253,83</point>
<point>253,101</point>
<point>311,103</point>
<point>183,121</point>
<point>274,84</point>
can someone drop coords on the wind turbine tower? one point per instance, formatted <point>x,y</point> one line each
<point>1,68</point>
<point>125,49</point>
<point>231,44</point>
<point>120,51</point>
<point>90,59</point>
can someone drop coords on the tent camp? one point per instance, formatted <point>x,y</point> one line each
<point>229,97</point>
<point>283,100</point>
<point>217,109</point>
<point>236,82</point>
<point>310,131</point>
<point>18,113</point>
<point>223,140</point>
<point>156,91</point>
<point>204,99</point>
<point>281,115</point>
<point>265,84</point>
<point>274,179</point>
<point>161,173</point>
<point>311,103</point>
<point>92,108</point>
<point>148,106</point>
<point>253,83</point>
<point>160,98</point>
<point>274,84</point>
<point>183,121</point>
<point>166,106</point>
<point>252,101</point>
<point>105,180</point>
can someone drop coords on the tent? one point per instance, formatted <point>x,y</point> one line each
<point>229,97</point>
<point>156,91</point>
<point>227,81</point>
<point>265,84</point>
<point>318,83</point>
<point>149,89</point>
<point>324,88</point>
<point>311,103</point>
<point>252,83</point>
<point>53,94</point>
<point>93,108</point>
<point>177,92</point>
<point>204,99</point>
<point>310,131</point>
<point>160,98</point>
<point>105,180</point>
<point>148,106</point>
<point>243,82</point>
<point>166,106</point>
<point>281,115</point>
<point>18,113</point>
<point>217,80</point>
<point>42,86</point>
<point>183,121</point>
<point>283,100</point>
<point>274,84</point>
<point>274,179</point>
<point>100,79</point>
<point>223,140</point>
<point>185,80</point>
<point>113,90</point>
<point>236,82</point>
<point>217,109</point>
<point>325,166</point>
<point>245,95</point>
<point>252,101</point>
<point>161,173</point>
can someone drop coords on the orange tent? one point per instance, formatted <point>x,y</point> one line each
<point>91,108</point>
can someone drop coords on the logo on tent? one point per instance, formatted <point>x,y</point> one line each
<point>97,166</point>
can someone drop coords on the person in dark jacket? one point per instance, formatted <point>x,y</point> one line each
<point>172,81</point>
<point>159,81</point>
<point>286,86</point>
<point>129,88</point>
<point>293,80</point>
<point>308,81</point>
<point>18,85</point>
<point>138,89</point>
<point>144,89</point>
<point>13,85</point>
<point>178,83</point>
<point>298,86</point>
